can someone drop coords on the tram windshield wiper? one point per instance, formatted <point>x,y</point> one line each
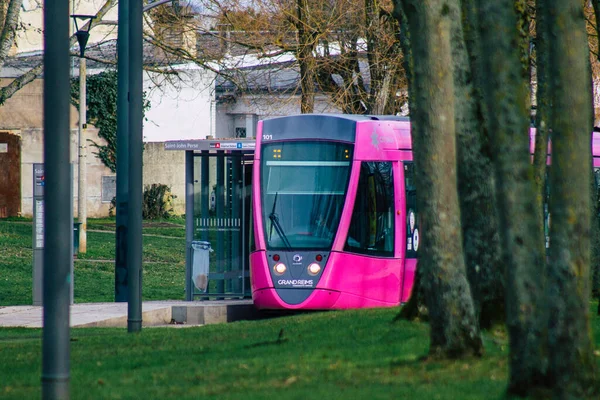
<point>275,223</point>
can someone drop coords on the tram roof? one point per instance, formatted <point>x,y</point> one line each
<point>351,117</point>
<point>339,127</point>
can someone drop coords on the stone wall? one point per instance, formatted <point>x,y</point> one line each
<point>160,166</point>
<point>168,168</point>
<point>32,150</point>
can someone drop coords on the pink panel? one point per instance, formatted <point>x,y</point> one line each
<point>373,137</point>
<point>358,281</point>
<point>259,128</point>
<point>340,237</point>
<point>259,239</point>
<point>406,155</point>
<point>347,300</point>
<point>596,148</point>
<point>410,270</point>
<point>531,140</point>
<point>374,278</point>
<point>260,277</point>
<point>402,130</point>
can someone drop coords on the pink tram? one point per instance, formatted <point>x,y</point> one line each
<point>334,212</point>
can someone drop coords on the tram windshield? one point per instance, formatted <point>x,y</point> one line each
<point>303,188</point>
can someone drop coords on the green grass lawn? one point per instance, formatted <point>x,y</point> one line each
<point>356,354</point>
<point>163,262</point>
<point>330,355</point>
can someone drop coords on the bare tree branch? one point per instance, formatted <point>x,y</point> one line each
<point>8,91</point>
<point>7,37</point>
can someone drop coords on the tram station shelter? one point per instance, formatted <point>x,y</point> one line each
<point>218,185</point>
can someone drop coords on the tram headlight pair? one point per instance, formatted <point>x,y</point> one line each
<point>314,269</point>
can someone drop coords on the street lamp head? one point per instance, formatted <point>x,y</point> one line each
<point>82,34</point>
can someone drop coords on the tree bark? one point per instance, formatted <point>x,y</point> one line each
<point>305,57</point>
<point>572,366</point>
<point>454,329</point>
<point>522,241</point>
<point>476,189</point>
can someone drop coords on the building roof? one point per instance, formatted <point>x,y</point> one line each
<point>242,68</point>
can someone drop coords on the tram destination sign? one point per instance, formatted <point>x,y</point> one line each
<point>210,144</point>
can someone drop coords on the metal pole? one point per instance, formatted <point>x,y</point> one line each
<point>121,282</point>
<point>246,216</point>
<point>205,201</point>
<point>236,233</point>
<point>220,205</point>
<point>205,192</point>
<point>189,223</point>
<point>134,232</point>
<point>82,180</point>
<point>38,233</point>
<point>57,250</point>
<point>228,256</point>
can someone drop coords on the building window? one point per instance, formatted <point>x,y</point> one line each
<point>240,132</point>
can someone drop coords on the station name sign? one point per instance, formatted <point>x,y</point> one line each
<point>245,144</point>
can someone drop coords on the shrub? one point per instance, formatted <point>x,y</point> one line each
<point>157,201</point>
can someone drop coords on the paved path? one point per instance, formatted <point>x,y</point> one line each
<point>154,313</point>
<point>143,234</point>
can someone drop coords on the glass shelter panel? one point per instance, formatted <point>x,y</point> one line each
<point>303,186</point>
<point>222,188</point>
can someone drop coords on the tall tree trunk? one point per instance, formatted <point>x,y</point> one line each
<point>454,328</point>
<point>372,31</point>
<point>522,241</point>
<point>404,40</point>
<point>306,58</point>
<point>596,193</point>
<point>596,5</point>
<point>543,106</point>
<point>476,187</point>
<point>524,43</point>
<point>411,309</point>
<point>572,366</point>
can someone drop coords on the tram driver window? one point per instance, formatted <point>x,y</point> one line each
<point>371,229</point>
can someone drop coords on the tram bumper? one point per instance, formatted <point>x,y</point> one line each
<point>319,299</point>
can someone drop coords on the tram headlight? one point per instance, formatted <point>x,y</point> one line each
<point>314,269</point>
<point>279,268</point>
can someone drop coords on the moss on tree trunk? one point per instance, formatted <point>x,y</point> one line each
<point>522,241</point>
<point>454,328</point>
<point>572,364</point>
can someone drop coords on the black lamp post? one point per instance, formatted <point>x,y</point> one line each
<point>83,35</point>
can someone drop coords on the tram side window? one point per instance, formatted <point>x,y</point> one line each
<point>412,220</point>
<point>371,229</point>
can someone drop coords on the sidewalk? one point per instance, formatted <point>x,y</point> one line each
<point>154,313</point>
